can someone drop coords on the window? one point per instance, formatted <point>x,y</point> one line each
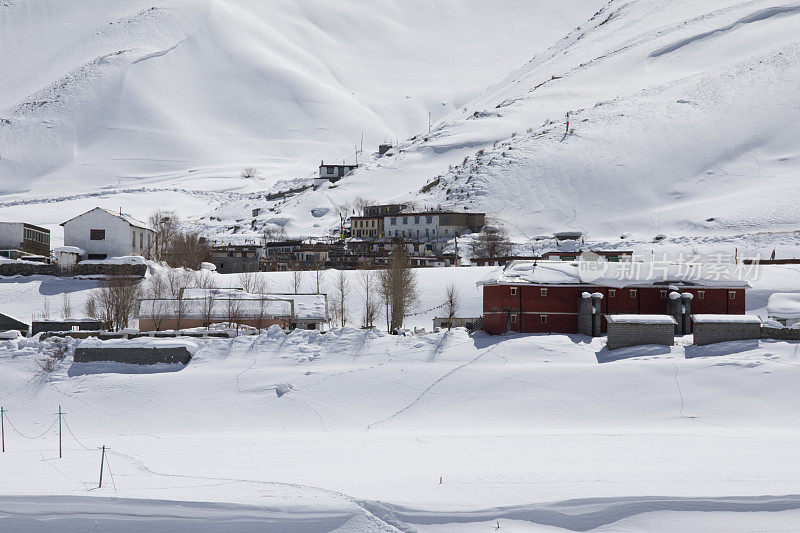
<point>513,291</point>
<point>731,295</point>
<point>393,221</point>
<point>701,295</point>
<point>634,293</point>
<point>428,220</point>
<point>446,231</point>
<point>543,292</point>
<point>416,220</point>
<point>543,319</point>
<point>513,318</point>
<point>663,294</point>
<point>427,232</point>
<point>612,293</point>
<point>97,235</point>
<point>405,220</point>
<point>98,256</point>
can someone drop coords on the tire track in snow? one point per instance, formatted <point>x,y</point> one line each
<point>431,386</point>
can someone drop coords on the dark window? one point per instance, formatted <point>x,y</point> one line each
<point>731,295</point>
<point>701,295</point>
<point>513,291</point>
<point>513,318</point>
<point>445,219</point>
<point>634,293</point>
<point>428,220</point>
<point>612,293</point>
<point>543,292</point>
<point>393,221</point>
<point>97,235</point>
<point>416,220</point>
<point>98,256</point>
<point>543,318</point>
<point>663,294</point>
<point>405,220</point>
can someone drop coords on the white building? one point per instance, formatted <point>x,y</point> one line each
<point>432,225</point>
<point>104,234</point>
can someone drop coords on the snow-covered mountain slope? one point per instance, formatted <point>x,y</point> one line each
<point>188,92</point>
<point>684,120</point>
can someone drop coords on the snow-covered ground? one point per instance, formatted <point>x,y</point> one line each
<point>353,430</point>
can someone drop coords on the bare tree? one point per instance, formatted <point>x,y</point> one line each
<point>360,204</point>
<point>90,307</point>
<point>341,290</point>
<point>249,173</point>
<point>319,273</point>
<point>46,308</point>
<point>493,241</point>
<point>250,282</point>
<point>157,305</point>
<point>233,310</point>
<point>263,304</point>
<point>165,224</point>
<point>177,247</point>
<point>115,301</point>
<point>368,280</point>
<point>177,280</point>
<point>205,281</point>
<point>66,306</point>
<point>297,280</point>
<point>398,288</point>
<point>452,301</point>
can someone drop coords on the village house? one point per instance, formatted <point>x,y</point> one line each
<point>432,225</point>
<point>104,234</point>
<point>234,258</point>
<point>334,173</point>
<point>197,308</point>
<point>23,238</point>
<point>552,296</point>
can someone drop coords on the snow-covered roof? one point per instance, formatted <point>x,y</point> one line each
<point>622,274</point>
<point>784,305</point>
<point>307,307</point>
<point>726,319</point>
<point>641,319</point>
<point>121,260</point>
<point>124,216</point>
<point>69,250</point>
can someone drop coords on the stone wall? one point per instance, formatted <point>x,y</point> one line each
<point>135,356</point>
<point>621,335</point>
<point>781,334</point>
<point>41,269</point>
<point>713,332</point>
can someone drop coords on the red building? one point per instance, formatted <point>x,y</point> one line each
<point>544,297</point>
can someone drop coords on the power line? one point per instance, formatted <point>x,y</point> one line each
<point>21,434</point>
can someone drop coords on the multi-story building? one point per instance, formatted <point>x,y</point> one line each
<point>24,237</point>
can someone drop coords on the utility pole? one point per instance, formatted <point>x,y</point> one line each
<point>456,250</point>
<point>59,431</point>
<point>102,460</point>
<point>429,122</point>
<point>3,429</point>
<point>567,132</point>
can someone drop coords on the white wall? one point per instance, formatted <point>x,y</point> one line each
<point>412,227</point>
<point>11,235</point>
<point>117,241</point>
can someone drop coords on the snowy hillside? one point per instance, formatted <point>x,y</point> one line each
<point>683,121</point>
<point>185,94</point>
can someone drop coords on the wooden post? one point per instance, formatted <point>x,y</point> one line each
<point>3,429</point>
<point>59,431</point>
<point>102,460</point>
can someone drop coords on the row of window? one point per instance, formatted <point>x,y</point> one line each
<point>37,236</point>
<point>428,220</point>
<point>365,223</point>
<point>634,293</point>
<point>141,240</point>
<point>428,233</point>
